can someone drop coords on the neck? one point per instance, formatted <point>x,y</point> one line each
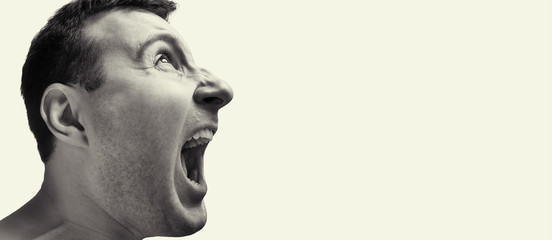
<point>62,207</point>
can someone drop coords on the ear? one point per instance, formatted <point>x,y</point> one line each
<point>59,109</point>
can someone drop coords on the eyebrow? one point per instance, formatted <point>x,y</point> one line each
<point>165,37</point>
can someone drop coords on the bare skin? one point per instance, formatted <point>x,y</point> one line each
<point>61,211</point>
<point>126,163</point>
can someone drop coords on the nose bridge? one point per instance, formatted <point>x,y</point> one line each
<point>212,91</point>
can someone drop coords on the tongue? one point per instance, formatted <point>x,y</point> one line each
<point>189,157</point>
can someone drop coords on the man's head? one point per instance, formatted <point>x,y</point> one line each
<point>60,53</point>
<point>112,90</point>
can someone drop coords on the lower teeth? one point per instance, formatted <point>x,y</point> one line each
<point>193,176</point>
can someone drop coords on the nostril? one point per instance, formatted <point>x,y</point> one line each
<point>213,93</point>
<point>213,100</point>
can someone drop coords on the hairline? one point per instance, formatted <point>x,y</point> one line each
<point>91,79</point>
<point>95,42</point>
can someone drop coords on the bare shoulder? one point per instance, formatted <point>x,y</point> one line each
<point>14,229</point>
<point>18,232</point>
<point>69,231</point>
<point>61,232</point>
<point>31,220</point>
<point>6,231</point>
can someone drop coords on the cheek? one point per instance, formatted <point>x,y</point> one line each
<point>133,145</point>
<point>136,134</point>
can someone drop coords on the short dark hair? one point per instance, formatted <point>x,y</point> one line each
<point>60,53</point>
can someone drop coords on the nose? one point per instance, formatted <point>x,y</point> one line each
<point>212,91</point>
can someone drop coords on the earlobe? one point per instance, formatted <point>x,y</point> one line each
<point>60,111</point>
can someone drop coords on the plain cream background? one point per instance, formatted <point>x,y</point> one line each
<point>351,119</point>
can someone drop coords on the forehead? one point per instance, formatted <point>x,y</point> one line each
<point>128,29</point>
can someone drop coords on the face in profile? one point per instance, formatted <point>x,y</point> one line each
<point>148,125</point>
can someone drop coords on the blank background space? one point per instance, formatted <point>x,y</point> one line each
<point>351,119</point>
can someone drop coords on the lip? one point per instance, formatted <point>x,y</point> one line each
<point>196,191</point>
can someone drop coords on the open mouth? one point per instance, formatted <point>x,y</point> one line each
<point>192,154</point>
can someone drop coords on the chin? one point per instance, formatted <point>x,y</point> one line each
<point>193,228</point>
<point>184,221</point>
<point>193,224</point>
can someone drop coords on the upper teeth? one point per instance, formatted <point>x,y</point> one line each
<point>199,138</point>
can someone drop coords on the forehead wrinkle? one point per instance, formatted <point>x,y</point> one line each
<point>175,43</point>
<point>112,30</point>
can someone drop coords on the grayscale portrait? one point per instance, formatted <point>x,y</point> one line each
<point>324,120</point>
<point>122,117</point>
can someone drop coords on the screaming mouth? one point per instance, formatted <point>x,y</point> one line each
<point>192,153</point>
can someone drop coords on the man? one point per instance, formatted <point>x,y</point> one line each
<point>122,117</point>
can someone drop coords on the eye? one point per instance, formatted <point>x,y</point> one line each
<point>163,59</point>
<point>164,62</point>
